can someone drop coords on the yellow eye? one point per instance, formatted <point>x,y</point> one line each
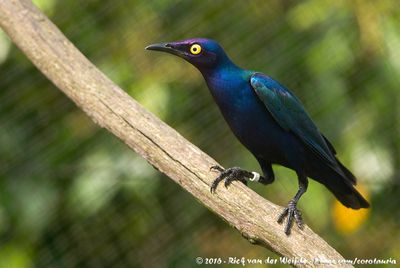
<point>195,49</point>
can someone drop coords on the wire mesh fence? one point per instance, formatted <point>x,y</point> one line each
<point>72,195</point>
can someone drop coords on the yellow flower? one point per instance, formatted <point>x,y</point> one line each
<point>347,220</point>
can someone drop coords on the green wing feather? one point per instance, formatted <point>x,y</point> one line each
<point>290,114</point>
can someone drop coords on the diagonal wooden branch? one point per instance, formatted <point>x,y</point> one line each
<point>110,107</point>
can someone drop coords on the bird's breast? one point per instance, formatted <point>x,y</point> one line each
<point>246,115</point>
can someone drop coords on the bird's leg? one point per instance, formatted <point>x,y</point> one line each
<point>291,210</point>
<point>269,176</point>
<point>233,174</point>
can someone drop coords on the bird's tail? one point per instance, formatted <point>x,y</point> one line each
<point>343,189</point>
<point>349,196</point>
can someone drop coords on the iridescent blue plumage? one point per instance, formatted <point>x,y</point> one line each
<point>271,123</point>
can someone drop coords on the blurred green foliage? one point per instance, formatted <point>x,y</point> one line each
<point>72,195</point>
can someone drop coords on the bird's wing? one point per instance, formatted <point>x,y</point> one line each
<point>290,114</point>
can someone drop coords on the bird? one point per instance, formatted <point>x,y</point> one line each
<point>272,123</point>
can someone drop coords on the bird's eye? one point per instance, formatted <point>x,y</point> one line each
<point>195,49</point>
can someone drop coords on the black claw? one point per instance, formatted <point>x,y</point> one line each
<point>231,178</point>
<point>227,182</point>
<point>283,215</point>
<point>217,168</point>
<point>214,185</point>
<point>298,219</point>
<point>291,212</point>
<point>229,175</point>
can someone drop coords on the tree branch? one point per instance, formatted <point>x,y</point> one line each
<point>111,108</point>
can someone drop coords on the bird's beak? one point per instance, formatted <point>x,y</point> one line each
<point>165,47</point>
<point>159,47</point>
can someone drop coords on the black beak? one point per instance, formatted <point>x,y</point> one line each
<point>159,47</point>
<point>166,47</point>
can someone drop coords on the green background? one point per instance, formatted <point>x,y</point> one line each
<point>72,195</point>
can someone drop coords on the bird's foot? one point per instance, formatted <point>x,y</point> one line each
<point>230,175</point>
<point>291,212</point>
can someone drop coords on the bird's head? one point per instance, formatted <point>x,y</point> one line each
<point>201,52</point>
